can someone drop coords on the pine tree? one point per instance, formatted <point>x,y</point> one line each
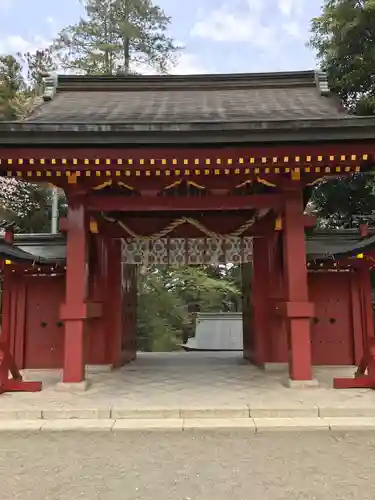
<point>11,86</point>
<point>38,63</point>
<point>26,204</point>
<point>117,37</point>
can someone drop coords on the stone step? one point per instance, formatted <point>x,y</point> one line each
<point>252,425</point>
<point>257,412</point>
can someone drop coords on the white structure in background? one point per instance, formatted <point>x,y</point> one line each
<point>55,211</point>
<point>217,332</point>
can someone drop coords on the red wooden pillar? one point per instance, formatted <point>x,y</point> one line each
<point>6,305</point>
<point>297,308</point>
<point>247,326</point>
<point>132,337</point>
<point>114,325</point>
<point>260,298</point>
<point>366,299</point>
<point>129,312</point>
<point>357,316</point>
<point>73,312</point>
<point>365,374</point>
<point>6,309</point>
<point>96,327</point>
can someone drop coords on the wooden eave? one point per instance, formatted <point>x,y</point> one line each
<point>320,245</point>
<point>185,82</point>
<point>199,134</point>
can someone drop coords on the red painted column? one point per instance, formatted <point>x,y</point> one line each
<point>96,327</point>
<point>247,327</point>
<point>6,308</point>
<point>359,333</point>
<point>366,295</point>
<point>114,326</point>
<point>6,305</point>
<point>297,308</point>
<point>260,298</point>
<point>129,312</point>
<point>277,351</point>
<point>74,310</point>
<point>132,338</point>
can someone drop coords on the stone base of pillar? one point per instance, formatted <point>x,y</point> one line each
<point>72,386</point>
<point>99,369</point>
<point>302,384</point>
<point>276,367</point>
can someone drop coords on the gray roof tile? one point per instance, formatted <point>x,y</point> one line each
<point>189,99</point>
<point>320,245</point>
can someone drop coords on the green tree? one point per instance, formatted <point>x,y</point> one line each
<point>169,297</point>
<point>12,85</point>
<point>28,205</point>
<point>37,64</point>
<point>341,200</point>
<point>344,38</point>
<point>116,37</point>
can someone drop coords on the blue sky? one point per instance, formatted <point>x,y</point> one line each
<point>219,35</point>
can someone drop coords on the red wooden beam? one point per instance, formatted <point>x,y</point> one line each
<point>16,383</point>
<point>361,380</point>
<point>102,203</point>
<point>150,225</point>
<point>364,382</point>
<point>174,152</point>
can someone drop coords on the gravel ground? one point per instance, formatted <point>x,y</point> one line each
<point>187,466</point>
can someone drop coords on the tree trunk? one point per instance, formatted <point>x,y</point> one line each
<point>127,56</point>
<point>127,40</point>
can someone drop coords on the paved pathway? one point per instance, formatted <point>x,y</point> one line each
<point>187,466</point>
<point>200,382</point>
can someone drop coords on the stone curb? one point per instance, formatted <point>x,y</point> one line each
<point>254,425</point>
<point>114,413</point>
<point>117,413</point>
<point>243,412</point>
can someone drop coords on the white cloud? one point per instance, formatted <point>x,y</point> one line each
<point>288,8</point>
<point>293,29</point>
<point>251,22</point>
<point>53,26</point>
<point>225,25</point>
<point>12,44</point>
<point>189,64</point>
<point>5,5</point>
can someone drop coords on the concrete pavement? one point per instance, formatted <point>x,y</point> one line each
<point>181,389</point>
<point>252,425</point>
<point>193,465</point>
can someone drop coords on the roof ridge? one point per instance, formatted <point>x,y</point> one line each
<point>321,81</point>
<point>50,83</point>
<point>138,83</point>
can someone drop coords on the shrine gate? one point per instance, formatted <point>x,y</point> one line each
<point>189,170</point>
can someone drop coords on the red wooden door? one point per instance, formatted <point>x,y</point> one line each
<point>44,340</point>
<point>332,339</point>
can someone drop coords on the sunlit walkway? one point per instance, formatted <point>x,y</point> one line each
<point>192,380</point>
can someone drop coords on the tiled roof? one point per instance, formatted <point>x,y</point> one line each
<point>320,245</point>
<point>189,99</point>
<point>338,244</point>
<point>16,254</point>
